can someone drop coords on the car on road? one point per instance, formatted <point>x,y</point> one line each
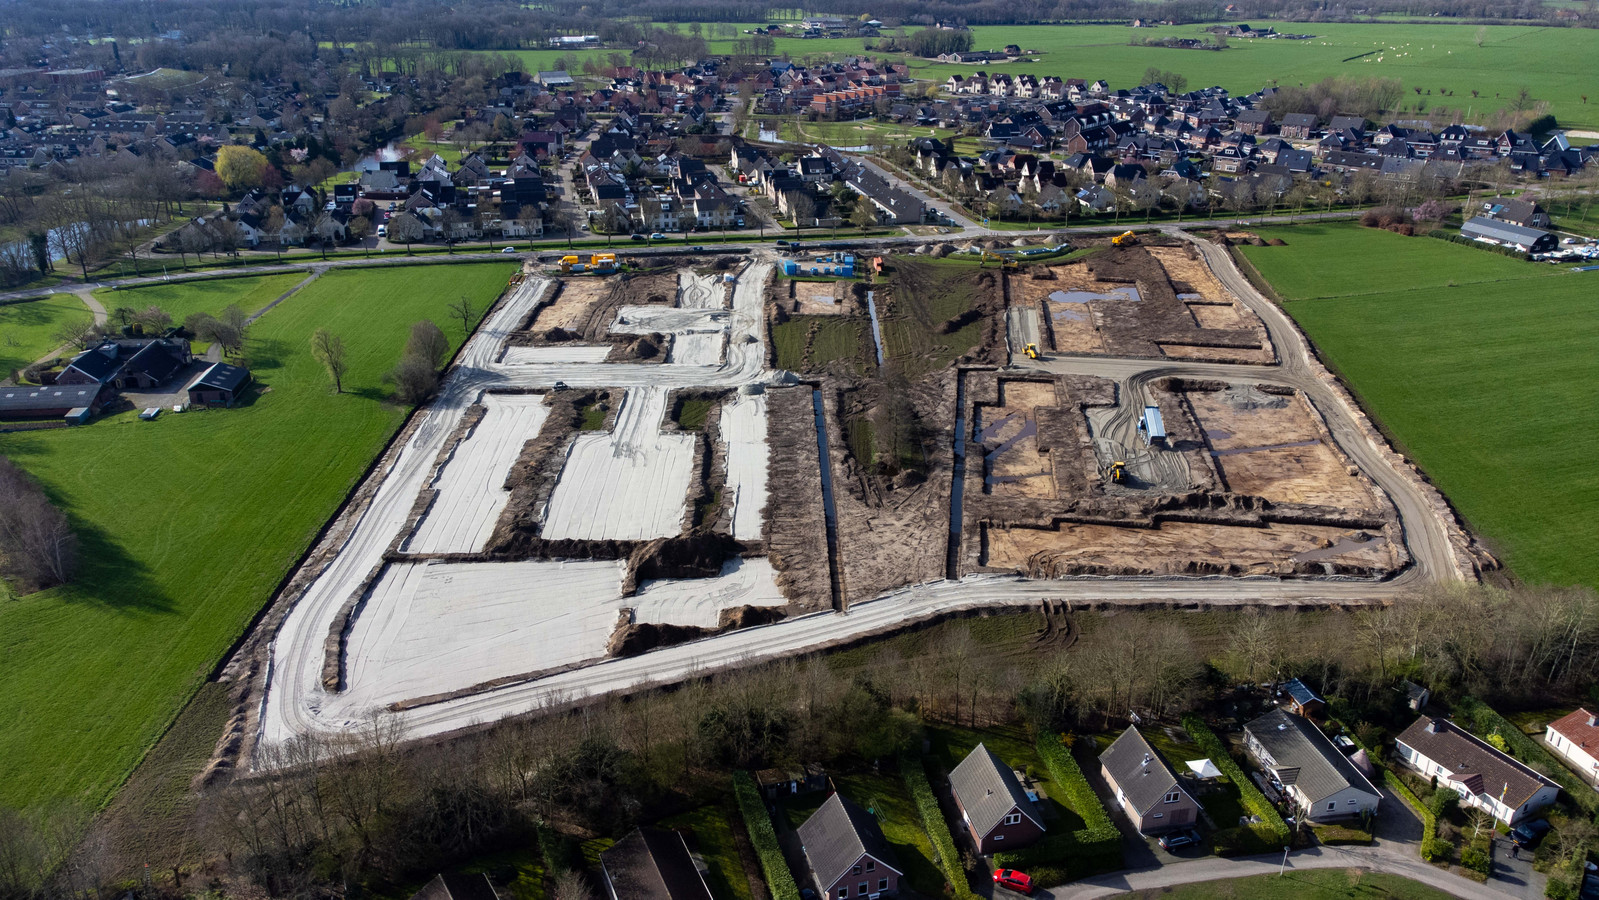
<point>1176,840</point>
<point>1020,882</point>
<point>657,236</point>
<point>560,385</point>
<point>698,249</point>
<point>1528,834</point>
<point>383,231</point>
<point>508,250</point>
<point>638,237</point>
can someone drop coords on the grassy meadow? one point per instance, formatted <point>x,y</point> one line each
<point>1480,366</point>
<point>183,299</point>
<point>189,522</point>
<point>27,329</point>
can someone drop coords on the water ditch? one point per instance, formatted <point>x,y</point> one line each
<point>957,488</point>
<point>877,330</point>
<point>829,514</point>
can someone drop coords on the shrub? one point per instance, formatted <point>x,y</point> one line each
<point>1443,803</point>
<point>1435,849</point>
<point>1253,800</point>
<point>779,880</point>
<point>933,822</point>
<point>1477,861</point>
<point>1097,847</point>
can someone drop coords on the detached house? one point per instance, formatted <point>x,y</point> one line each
<point>994,808</point>
<point>847,853</point>
<point>652,864</point>
<point>1320,780</point>
<point>1483,776</point>
<point>1146,787</point>
<point>1575,738</point>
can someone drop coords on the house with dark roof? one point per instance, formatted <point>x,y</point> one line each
<point>1516,211</point>
<point>97,365</point>
<point>1322,783</point>
<point>1480,773</point>
<point>994,808</point>
<point>457,887</point>
<point>1146,788</point>
<point>220,385</point>
<point>847,853</point>
<point>1301,699</point>
<point>1575,739</point>
<point>1493,231</point>
<point>48,402</point>
<point>154,363</point>
<point>652,864</point>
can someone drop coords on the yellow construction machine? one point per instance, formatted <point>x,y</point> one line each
<point>1004,262</point>
<point>567,262</point>
<point>1031,350</point>
<point>1125,239</point>
<point>1117,472</point>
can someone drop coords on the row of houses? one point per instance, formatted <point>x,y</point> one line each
<point>813,176</point>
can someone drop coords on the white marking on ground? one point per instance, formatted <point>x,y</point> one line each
<point>428,628</point>
<point>743,582</point>
<point>700,291</point>
<point>628,484</point>
<point>472,483</point>
<point>559,353</point>
<point>664,319</point>
<point>744,432</point>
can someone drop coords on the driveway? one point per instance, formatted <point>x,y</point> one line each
<point>1512,871</point>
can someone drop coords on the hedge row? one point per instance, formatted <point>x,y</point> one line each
<point>1062,856</point>
<point>1484,721</point>
<point>778,878</point>
<point>1250,796</point>
<point>934,823</point>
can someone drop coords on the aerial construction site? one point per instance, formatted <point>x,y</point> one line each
<point>644,469</point>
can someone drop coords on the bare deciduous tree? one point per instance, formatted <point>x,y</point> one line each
<point>329,351</point>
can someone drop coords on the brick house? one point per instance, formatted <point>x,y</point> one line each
<point>847,853</point>
<point>1146,787</point>
<point>994,808</point>
<point>1319,779</point>
<point>220,385</point>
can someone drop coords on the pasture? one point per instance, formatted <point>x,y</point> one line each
<point>188,524</point>
<point>27,329</point>
<point>185,298</point>
<point>1480,367</point>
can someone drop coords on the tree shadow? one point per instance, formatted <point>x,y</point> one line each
<point>262,354</point>
<point>108,576</point>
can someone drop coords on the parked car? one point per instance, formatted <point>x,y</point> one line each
<point>1528,834</point>
<point>739,221</point>
<point>383,231</point>
<point>1019,882</point>
<point>1178,839</point>
<point>560,385</point>
<point>508,250</point>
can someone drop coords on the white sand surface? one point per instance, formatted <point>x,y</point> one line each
<point>628,484</point>
<point>666,320</point>
<point>697,601</point>
<point>744,430</point>
<point>471,484</point>
<point>556,353</point>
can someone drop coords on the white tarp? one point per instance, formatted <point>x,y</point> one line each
<point>1204,768</point>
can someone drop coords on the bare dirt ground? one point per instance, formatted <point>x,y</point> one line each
<point>1007,436</point>
<point>1182,548</point>
<point>1142,302</point>
<point>813,298</point>
<point>1276,447</point>
<point>573,301</point>
<point>796,525</point>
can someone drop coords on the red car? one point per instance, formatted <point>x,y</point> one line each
<point>1019,882</point>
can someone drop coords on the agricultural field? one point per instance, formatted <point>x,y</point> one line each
<point>188,523</point>
<point>27,329</point>
<point>183,299</point>
<point>1481,367</point>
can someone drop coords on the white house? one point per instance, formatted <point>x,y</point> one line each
<point>1575,739</point>
<point>1484,777</point>
<point>1320,780</point>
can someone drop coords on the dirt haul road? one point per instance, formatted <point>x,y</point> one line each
<point>296,702</point>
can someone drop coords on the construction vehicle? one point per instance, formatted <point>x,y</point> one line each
<point>1004,262</point>
<point>1117,472</point>
<point>1031,350</point>
<point>567,262</point>
<point>1125,239</point>
<point>603,262</point>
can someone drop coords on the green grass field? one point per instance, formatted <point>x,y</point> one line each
<point>27,329</point>
<point>187,525</point>
<point>183,299</point>
<point>1297,884</point>
<point>1480,366</point>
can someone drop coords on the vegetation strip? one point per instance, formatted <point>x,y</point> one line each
<point>778,878</point>
<point>944,852</point>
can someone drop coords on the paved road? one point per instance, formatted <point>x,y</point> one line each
<point>296,703</point>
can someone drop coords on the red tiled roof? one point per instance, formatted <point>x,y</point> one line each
<point>1575,728</point>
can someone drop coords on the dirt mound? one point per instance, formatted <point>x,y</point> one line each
<point>684,556</point>
<point>749,616</point>
<point>634,639</point>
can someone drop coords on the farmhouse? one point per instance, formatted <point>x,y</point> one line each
<point>1146,787</point>
<point>1575,739</point>
<point>652,864</point>
<point>847,853</point>
<point>219,385</point>
<point>1492,231</point>
<point>1321,781</point>
<point>49,402</point>
<point>134,365</point>
<point>993,806</point>
<point>1483,776</point>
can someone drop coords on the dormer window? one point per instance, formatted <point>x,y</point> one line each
<point>1174,796</point>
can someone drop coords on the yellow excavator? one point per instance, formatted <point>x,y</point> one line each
<point>1004,262</point>
<point>1117,472</point>
<point>1125,239</point>
<point>1031,350</point>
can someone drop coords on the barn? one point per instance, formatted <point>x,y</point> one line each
<point>220,385</point>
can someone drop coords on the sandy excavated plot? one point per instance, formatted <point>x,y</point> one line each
<point>1072,323</point>
<point>697,334</point>
<point>1174,547</point>
<point>815,298</point>
<point>743,582</point>
<point>628,484</point>
<point>1008,435</point>
<point>1272,446</point>
<point>571,307</point>
<point>471,485</point>
<point>428,628</point>
<point>556,353</point>
<point>744,431</point>
<point>1191,272</point>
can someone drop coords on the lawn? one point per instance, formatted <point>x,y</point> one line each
<point>1302,884</point>
<point>1481,383</point>
<point>713,840</point>
<point>185,298</point>
<point>188,524</point>
<point>883,796</point>
<point>27,329</point>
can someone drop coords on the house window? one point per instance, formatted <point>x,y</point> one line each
<point>855,871</point>
<point>1354,802</point>
<point>882,884</point>
<point>999,837</point>
<point>842,893</point>
<point>1173,796</point>
<point>860,889</point>
<point>1332,806</point>
<point>1013,819</point>
<point>871,865</point>
<point>1158,816</point>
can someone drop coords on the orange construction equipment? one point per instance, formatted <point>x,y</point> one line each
<point>1125,239</point>
<point>877,265</point>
